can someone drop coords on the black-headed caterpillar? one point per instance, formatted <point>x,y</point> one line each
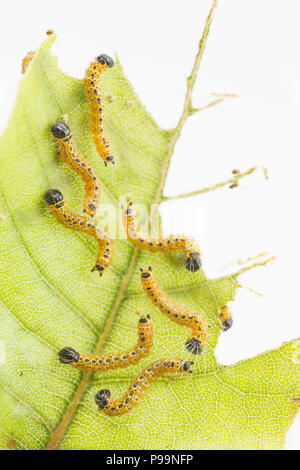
<point>79,164</point>
<point>176,313</point>
<point>137,389</point>
<point>105,362</point>
<point>81,223</point>
<point>225,317</point>
<point>162,244</point>
<point>95,97</point>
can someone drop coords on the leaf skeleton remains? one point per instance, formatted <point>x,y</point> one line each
<point>84,223</point>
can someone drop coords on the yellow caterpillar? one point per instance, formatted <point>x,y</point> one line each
<point>94,95</point>
<point>105,362</point>
<point>81,223</point>
<point>225,317</point>
<point>178,314</point>
<point>79,164</point>
<point>162,244</point>
<point>137,389</point>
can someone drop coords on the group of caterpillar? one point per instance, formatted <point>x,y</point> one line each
<point>133,395</point>
<point>81,223</point>
<point>105,362</point>
<point>70,155</point>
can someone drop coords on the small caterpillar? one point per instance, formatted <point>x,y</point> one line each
<point>180,315</point>
<point>80,165</point>
<point>101,362</point>
<point>162,244</point>
<point>27,60</point>
<point>137,389</point>
<point>225,317</point>
<point>81,223</point>
<point>95,97</point>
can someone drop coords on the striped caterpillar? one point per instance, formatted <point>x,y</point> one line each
<point>180,315</point>
<point>105,362</point>
<point>81,223</point>
<point>27,60</point>
<point>162,244</point>
<point>225,317</point>
<point>80,165</point>
<point>137,389</point>
<point>94,95</point>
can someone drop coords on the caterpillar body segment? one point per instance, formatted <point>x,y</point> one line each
<point>79,164</point>
<point>162,244</point>
<point>225,317</point>
<point>81,223</point>
<point>176,313</point>
<point>138,388</point>
<point>95,98</point>
<point>105,362</point>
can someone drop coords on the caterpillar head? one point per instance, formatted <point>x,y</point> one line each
<point>60,130</point>
<point>227,324</point>
<point>193,346</point>
<point>193,262</point>
<point>53,196</point>
<point>146,273</point>
<point>129,210</point>
<point>68,355</point>
<point>105,59</point>
<point>186,367</point>
<point>98,268</point>
<point>144,319</point>
<point>101,398</point>
<point>108,159</point>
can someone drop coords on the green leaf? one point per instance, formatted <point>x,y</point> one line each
<point>50,299</point>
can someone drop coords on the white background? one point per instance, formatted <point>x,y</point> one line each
<point>253,51</point>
